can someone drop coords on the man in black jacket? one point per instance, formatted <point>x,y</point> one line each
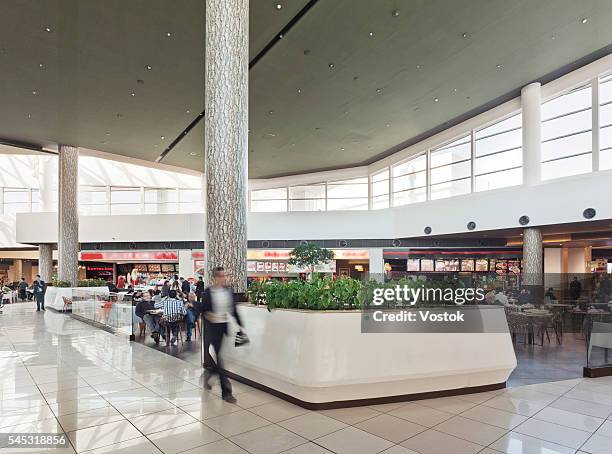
<point>218,305</point>
<point>199,290</point>
<point>40,288</point>
<point>185,286</point>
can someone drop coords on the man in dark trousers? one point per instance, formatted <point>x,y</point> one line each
<point>218,305</point>
<point>575,289</point>
<point>199,290</point>
<point>40,287</point>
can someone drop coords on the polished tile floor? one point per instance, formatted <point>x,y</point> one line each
<point>112,396</point>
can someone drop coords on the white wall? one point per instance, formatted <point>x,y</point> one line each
<point>576,260</point>
<point>554,202</point>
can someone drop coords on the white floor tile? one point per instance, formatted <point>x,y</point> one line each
<point>104,435</point>
<point>434,442</point>
<point>184,437</point>
<point>236,423</point>
<point>419,414</point>
<point>353,441</point>
<point>162,420</point>
<point>569,419</point>
<point>516,443</point>
<point>268,440</point>
<point>470,430</point>
<point>553,433</point>
<point>390,428</point>
<point>278,411</point>
<point>312,425</point>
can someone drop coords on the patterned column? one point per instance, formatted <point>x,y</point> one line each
<point>226,135</point>
<point>45,261</point>
<point>533,264</point>
<point>68,215</point>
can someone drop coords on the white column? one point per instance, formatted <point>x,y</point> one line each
<point>68,215</point>
<point>226,137</point>
<point>185,264</point>
<point>377,264</point>
<point>531,102</point>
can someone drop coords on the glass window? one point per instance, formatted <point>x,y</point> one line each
<point>567,166</point>
<point>160,201</point>
<point>503,135</point>
<point>380,202</point>
<point>16,200</point>
<point>35,200</point>
<point>413,165</point>
<point>500,179</point>
<point>307,198</point>
<point>409,181</point>
<point>93,200</point>
<point>307,205</point>
<point>566,134</point>
<point>605,122</point>
<point>458,150</point>
<point>348,204</point>
<point>450,188</point>
<point>269,194</point>
<point>410,196</point>
<point>258,206</point>
<point>380,189</point>
<point>190,201</point>
<point>126,201</point>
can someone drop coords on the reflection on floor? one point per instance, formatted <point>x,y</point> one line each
<point>112,396</point>
<point>550,362</point>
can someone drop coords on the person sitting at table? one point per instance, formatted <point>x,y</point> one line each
<point>193,312</point>
<point>550,294</point>
<point>500,298</point>
<point>173,311</point>
<point>524,297</point>
<point>490,297</point>
<point>165,289</point>
<point>144,310</point>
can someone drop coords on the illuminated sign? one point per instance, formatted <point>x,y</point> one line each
<point>148,256</point>
<point>283,254</point>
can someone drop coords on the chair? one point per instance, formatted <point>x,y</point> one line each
<point>518,324</point>
<point>67,303</point>
<point>142,327</point>
<point>167,323</point>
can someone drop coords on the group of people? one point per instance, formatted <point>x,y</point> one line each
<point>25,291</point>
<point>164,308</point>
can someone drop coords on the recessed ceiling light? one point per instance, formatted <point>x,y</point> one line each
<point>299,90</point>
<point>279,6</point>
<point>169,34</point>
<point>584,20</point>
<point>163,137</point>
<point>342,149</point>
<point>395,13</point>
<point>29,115</point>
<point>133,94</point>
<point>454,90</point>
<point>34,92</point>
<point>553,37</point>
<point>418,66</point>
<point>48,29</point>
<point>379,90</point>
<point>499,66</point>
<point>270,112</point>
<point>331,66</point>
<point>271,134</point>
<point>187,111</point>
<point>191,153</point>
<point>371,33</point>
<point>387,125</point>
<point>41,66</point>
<point>149,67</point>
<point>281,36</point>
<point>464,35</point>
<point>108,133</point>
<point>436,99</point>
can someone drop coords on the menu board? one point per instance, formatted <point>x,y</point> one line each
<point>167,267</point>
<point>427,265</point>
<point>467,265</point>
<point>482,265</point>
<point>447,264</point>
<point>501,267</point>
<point>268,266</point>
<point>141,267</point>
<point>251,266</point>
<point>154,268</point>
<point>260,266</point>
<point>282,267</point>
<point>275,267</point>
<point>514,266</point>
<point>412,265</point>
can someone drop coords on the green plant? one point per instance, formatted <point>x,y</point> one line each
<point>92,283</point>
<point>321,293</point>
<point>309,256</point>
<point>57,283</point>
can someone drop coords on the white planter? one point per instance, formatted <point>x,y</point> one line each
<point>323,357</point>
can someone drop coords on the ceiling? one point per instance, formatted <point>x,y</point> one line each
<point>86,81</point>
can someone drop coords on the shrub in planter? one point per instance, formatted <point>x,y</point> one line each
<point>92,283</point>
<point>57,283</point>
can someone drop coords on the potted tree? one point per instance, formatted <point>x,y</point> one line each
<point>309,256</point>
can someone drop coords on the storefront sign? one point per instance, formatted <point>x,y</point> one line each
<point>148,256</point>
<point>283,254</point>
